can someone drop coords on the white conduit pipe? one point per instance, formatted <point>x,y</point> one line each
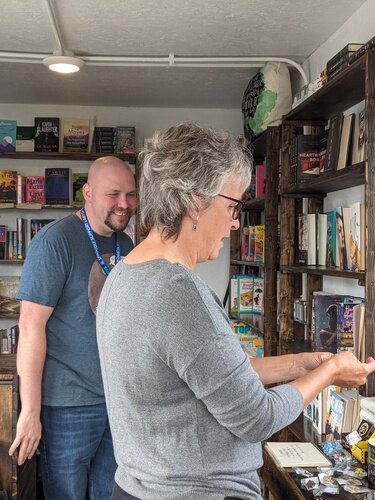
<point>154,61</point>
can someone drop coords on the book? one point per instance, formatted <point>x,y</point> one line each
<point>9,305</point>
<point>331,239</point>
<point>343,414</point>
<point>333,143</point>
<point>346,222</point>
<point>258,293</point>
<point>349,48</point>
<point>125,140</point>
<point>34,189</point>
<point>260,181</point>
<point>322,239</point>
<point>12,245</point>
<point>361,135</point>
<point>259,243</point>
<point>8,133</point>
<point>304,157</point>
<point>307,239</point>
<point>37,224</point>
<point>365,47</point>
<point>233,308</point>
<point>341,256</point>
<point>25,138</point>
<point>3,241</point>
<point>8,186</point>
<point>57,186</point>
<point>21,241</point>
<point>78,181</point>
<point>293,454</point>
<point>324,322</point>
<point>47,134</point>
<point>345,141</point>
<point>76,135</point>
<point>357,237</point>
<point>245,293</point>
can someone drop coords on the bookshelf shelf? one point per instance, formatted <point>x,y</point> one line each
<point>255,204</point>
<point>324,271</point>
<point>64,156</point>
<point>353,175</point>
<point>235,262</point>
<point>340,93</point>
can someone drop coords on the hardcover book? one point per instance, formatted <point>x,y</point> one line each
<point>78,181</point>
<point>37,224</point>
<point>57,186</point>
<point>258,293</point>
<point>307,239</point>
<point>9,305</point>
<point>76,135</point>
<point>34,189</point>
<point>260,181</point>
<point>47,132</point>
<point>3,241</point>
<point>8,186</point>
<point>331,239</point>
<point>125,140</point>
<point>333,143</point>
<point>345,141</point>
<point>357,237</point>
<point>8,133</point>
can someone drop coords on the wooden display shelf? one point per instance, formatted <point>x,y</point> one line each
<point>235,262</point>
<point>64,156</point>
<point>254,204</point>
<point>324,271</point>
<point>340,93</point>
<point>353,175</point>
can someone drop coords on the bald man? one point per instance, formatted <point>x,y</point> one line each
<point>61,388</point>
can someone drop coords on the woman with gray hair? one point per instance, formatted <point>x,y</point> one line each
<point>188,410</point>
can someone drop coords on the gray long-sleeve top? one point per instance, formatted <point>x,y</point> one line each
<point>186,409</point>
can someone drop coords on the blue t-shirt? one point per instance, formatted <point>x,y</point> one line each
<point>61,271</point>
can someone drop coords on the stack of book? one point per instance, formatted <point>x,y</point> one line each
<point>104,139</point>
<point>341,60</point>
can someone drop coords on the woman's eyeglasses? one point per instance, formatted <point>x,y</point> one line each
<point>237,209</point>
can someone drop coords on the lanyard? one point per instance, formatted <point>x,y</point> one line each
<point>99,258</point>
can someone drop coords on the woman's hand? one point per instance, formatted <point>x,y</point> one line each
<point>348,371</point>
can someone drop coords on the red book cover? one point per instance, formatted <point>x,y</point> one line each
<point>260,181</point>
<point>34,189</point>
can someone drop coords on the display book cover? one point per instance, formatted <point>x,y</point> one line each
<point>8,133</point>
<point>79,179</point>
<point>288,454</point>
<point>58,186</point>
<point>47,133</point>
<point>76,134</point>
<point>34,189</point>
<point>8,186</point>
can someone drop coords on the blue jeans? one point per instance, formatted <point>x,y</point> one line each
<point>77,459</point>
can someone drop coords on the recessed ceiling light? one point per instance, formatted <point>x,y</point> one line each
<point>63,64</point>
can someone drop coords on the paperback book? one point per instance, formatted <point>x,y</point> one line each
<point>47,132</point>
<point>76,135</point>
<point>8,133</point>
<point>8,186</point>
<point>34,189</point>
<point>57,186</point>
<point>37,224</point>
<point>79,179</point>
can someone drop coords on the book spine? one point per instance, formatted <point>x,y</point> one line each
<point>20,238</point>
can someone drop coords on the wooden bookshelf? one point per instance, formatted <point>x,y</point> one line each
<point>64,156</point>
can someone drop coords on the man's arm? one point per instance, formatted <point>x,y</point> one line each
<point>274,369</point>
<point>31,353</point>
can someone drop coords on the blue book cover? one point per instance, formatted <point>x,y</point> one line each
<point>331,239</point>
<point>57,186</point>
<point>8,134</point>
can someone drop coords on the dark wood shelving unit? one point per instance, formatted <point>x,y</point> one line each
<point>64,156</point>
<point>353,85</point>
<point>267,146</point>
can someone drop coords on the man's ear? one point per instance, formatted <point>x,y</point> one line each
<point>86,191</point>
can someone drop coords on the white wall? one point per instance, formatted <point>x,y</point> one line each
<point>146,121</point>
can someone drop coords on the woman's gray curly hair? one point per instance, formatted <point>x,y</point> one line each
<point>183,170</point>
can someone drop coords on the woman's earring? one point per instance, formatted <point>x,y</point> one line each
<point>194,226</point>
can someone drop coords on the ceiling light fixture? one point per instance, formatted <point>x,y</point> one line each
<point>63,63</point>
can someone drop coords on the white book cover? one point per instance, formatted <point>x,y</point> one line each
<point>297,454</point>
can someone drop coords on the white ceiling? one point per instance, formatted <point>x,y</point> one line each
<point>288,28</point>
